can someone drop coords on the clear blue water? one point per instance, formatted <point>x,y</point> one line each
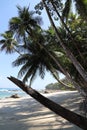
<point>7,92</point>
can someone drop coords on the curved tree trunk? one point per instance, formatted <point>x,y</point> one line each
<point>56,108</point>
<point>54,73</point>
<point>77,65</point>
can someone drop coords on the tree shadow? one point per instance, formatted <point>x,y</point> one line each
<point>28,114</point>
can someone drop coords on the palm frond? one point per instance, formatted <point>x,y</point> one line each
<point>15,25</point>
<point>23,12</point>
<point>66,9</point>
<point>21,60</point>
<point>81,6</point>
<point>7,43</point>
<point>24,69</point>
<point>2,41</point>
<point>34,74</point>
<point>42,70</point>
<point>3,47</point>
<point>30,73</point>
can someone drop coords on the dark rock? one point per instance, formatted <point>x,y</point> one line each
<point>15,96</point>
<point>46,91</point>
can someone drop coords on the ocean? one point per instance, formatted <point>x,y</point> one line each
<point>7,92</point>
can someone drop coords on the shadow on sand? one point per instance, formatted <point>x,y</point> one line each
<point>28,114</point>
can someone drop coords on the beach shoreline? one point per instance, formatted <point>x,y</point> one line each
<point>25,113</point>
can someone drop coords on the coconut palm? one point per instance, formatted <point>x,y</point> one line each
<point>8,43</point>
<point>77,65</point>
<point>34,62</point>
<point>37,61</point>
<point>27,26</point>
<point>55,7</point>
<point>24,23</point>
<point>79,33</point>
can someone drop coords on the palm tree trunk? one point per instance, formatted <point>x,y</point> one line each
<point>56,108</point>
<point>67,29</point>
<point>77,65</point>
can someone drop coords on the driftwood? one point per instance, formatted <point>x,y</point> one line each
<point>72,117</point>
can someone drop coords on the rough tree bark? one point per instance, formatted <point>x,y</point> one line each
<point>56,108</point>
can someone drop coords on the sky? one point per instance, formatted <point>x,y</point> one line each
<point>7,11</point>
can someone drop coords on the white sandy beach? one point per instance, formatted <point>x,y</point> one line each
<point>27,114</point>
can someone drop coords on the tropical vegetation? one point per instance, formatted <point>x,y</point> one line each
<point>54,8</point>
<point>59,87</point>
<point>59,49</point>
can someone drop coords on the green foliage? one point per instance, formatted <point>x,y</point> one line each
<point>8,42</point>
<point>58,86</point>
<point>66,9</point>
<point>80,7</point>
<point>78,27</point>
<point>36,45</point>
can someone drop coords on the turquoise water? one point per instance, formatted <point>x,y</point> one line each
<point>7,92</point>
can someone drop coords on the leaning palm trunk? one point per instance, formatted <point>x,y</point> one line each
<point>56,108</point>
<point>77,65</point>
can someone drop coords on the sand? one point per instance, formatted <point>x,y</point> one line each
<point>25,113</point>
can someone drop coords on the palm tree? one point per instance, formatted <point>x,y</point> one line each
<point>37,60</point>
<point>66,10</point>
<point>77,65</point>
<point>24,23</point>
<point>55,7</point>
<point>18,31</point>
<point>34,62</point>
<point>8,43</point>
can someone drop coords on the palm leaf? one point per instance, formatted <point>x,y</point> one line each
<point>66,9</point>
<point>24,69</point>
<point>21,60</point>
<point>7,43</point>
<point>33,77</point>
<point>42,70</point>
<point>81,6</point>
<point>30,73</point>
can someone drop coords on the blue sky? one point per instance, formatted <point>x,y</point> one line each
<point>8,10</point>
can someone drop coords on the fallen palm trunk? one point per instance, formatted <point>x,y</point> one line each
<point>56,108</point>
